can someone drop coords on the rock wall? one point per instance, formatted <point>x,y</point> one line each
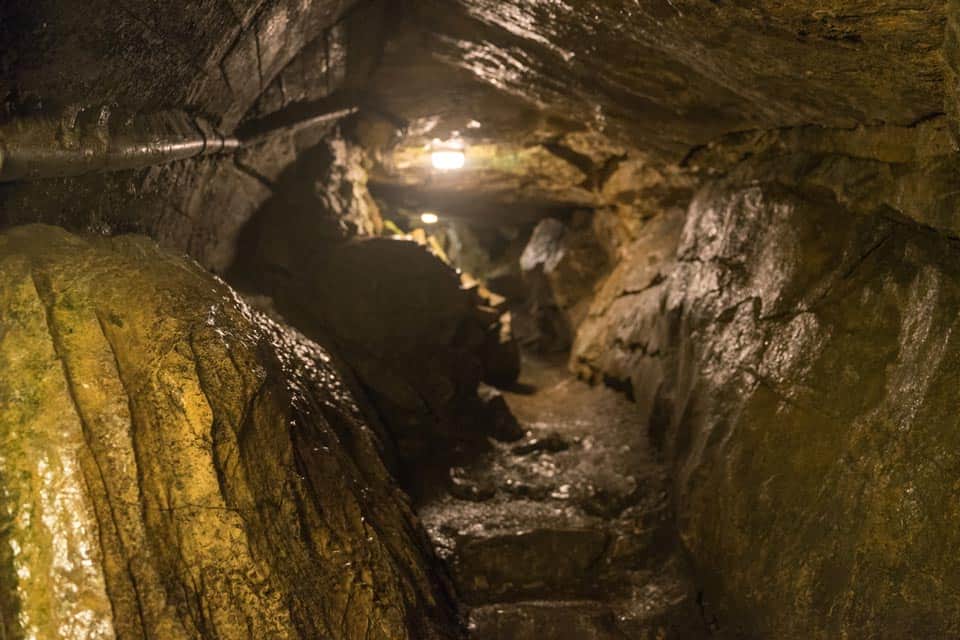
<point>796,360</point>
<point>215,58</point>
<point>951,54</point>
<point>226,62</point>
<point>176,466</point>
<point>788,340</point>
<point>880,169</point>
<point>560,266</point>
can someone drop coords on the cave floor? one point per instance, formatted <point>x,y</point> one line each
<point>567,533</point>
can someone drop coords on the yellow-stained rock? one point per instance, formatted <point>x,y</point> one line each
<point>174,466</point>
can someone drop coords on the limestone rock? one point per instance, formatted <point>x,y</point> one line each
<point>493,408</point>
<point>799,363</point>
<point>625,339</point>
<point>175,466</point>
<point>576,620</point>
<point>951,54</point>
<point>213,58</point>
<point>567,533</point>
<point>524,564</point>
<point>869,170</point>
<point>560,265</point>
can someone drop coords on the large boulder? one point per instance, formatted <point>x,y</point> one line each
<point>417,341</point>
<point>799,362</point>
<point>175,466</point>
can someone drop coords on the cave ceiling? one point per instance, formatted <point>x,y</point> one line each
<point>553,95</point>
<point>552,98</point>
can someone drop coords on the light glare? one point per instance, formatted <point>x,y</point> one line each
<point>429,218</point>
<point>448,160</point>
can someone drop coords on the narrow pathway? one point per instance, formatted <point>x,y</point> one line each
<point>565,534</point>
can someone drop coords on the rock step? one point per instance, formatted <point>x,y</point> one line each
<point>528,563</point>
<point>663,616</point>
<point>525,550</point>
<point>567,532</point>
<point>545,620</point>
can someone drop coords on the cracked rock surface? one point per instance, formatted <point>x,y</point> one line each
<point>676,73</point>
<point>797,362</point>
<point>176,466</point>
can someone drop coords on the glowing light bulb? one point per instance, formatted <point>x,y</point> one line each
<point>448,160</point>
<point>429,218</point>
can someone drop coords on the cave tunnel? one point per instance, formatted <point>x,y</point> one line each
<point>479,319</point>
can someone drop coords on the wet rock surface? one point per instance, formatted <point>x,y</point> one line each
<point>566,533</point>
<point>223,62</point>
<point>951,55</point>
<point>874,169</point>
<point>418,343</point>
<point>218,57</point>
<point>553,98</point>
<point>795,359</point>
<point>560,265</point>
<point>676,73</point>
<point>624,339</point>
<point>175,465</point>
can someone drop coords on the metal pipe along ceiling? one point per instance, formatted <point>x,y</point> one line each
<point>33,148</point>
<point>36,147</point>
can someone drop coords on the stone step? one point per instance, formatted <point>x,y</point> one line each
<point>545,620</point>
<point>661,616</point>
<point>567,532</point>
<point>523,550</point>
<point>528,563</point>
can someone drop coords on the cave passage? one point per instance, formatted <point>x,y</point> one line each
<point>479,320</point>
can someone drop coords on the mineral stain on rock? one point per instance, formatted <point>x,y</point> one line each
<point>176,466</point>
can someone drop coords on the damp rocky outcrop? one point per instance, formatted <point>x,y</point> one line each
<point>560,265</point>
<point>418,342</point>
<point>795,361</point>
<point>175,465</point>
